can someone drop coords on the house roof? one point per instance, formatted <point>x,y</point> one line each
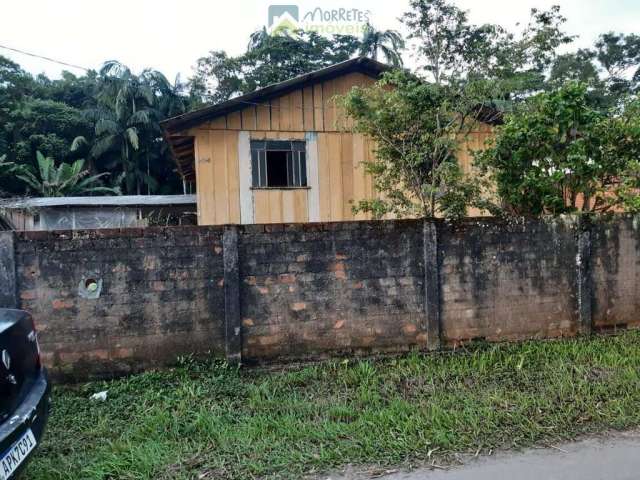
<point>182,148</point>
<point>112,201</point>
<point>190,119</point>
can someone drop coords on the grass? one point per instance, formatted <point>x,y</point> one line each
<point>206,421</point>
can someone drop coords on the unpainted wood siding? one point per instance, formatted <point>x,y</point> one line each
<point>311,109</point>
<point>217,177</point>
<point>342,180</point>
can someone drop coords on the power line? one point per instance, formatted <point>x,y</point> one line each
<point>48,59</point>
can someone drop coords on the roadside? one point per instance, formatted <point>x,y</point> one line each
<point>609,457</point>
<point>204,420</point>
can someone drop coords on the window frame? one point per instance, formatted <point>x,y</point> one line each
<point>296,160</point>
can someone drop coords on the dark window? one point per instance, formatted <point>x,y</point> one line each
<point>278,163</point>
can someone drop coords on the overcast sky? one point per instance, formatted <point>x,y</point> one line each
<point>170,36</point>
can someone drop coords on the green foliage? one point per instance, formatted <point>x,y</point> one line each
<point>110,117</point>
<point>44,125</point>
<point>269,59</point>
<point>274,58</point>
<point>5,167</point>
<point>388,43</point>
<point>557,154</point>
<point>611,69</point>
<point>417,127</point>
<point>63,180</point>
<point>207,420</point>
<point>450,48</point>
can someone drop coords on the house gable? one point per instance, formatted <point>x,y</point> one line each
<point>302,96</point>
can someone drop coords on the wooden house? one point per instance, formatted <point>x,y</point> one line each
<point>281,154</point>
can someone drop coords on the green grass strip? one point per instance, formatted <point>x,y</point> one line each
<point>205,420</point>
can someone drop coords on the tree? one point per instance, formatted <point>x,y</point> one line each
<point>74,116</point>
<point>269,59</point>
<point>450,49</point>
<point>611,69</point>
<point>45,125</point>
<point>127,137</point>
<point>577,67</point>
<point>557,154</point>
<point>258,39</point>
<point>6,170</point>
<point>63,180</point>
<point>417,127</point>
<point>389,43</point>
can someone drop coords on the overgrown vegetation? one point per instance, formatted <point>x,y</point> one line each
<point>418,128</point>
<point>571,136</point>
<point>557,154</point>
<point>111,117</point>
<point>204,420</point>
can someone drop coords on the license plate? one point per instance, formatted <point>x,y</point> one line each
<point>15,455</point>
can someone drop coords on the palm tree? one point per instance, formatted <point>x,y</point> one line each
<point>116,144</point>
<point>389,43</point>
<point>257,39</point>
<point>124,115</point>
<point>6,167</point>
<point>63,180</point>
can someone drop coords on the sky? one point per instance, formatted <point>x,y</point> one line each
<point>170,36</point>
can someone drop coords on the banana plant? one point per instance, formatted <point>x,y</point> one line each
<point>6,167</point>
<point>64,180</point>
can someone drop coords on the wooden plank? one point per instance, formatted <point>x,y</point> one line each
<point>233,179</point>
<point>220,186</point>
<point>263,113</point>
<point>328,105</point>
<point>301,204</point>
<point>219,123</point>
<point>261,205</point>
<point>275,206</point>
<point>342,86</point>
<point>289,206</point>
<point>234,121</point>
<point>244,173</point>
<point>307,105</point>
<point>204,179</point>
<point>290,135</point>
<point>275,113</point>
<point>335,176</point>
<point>297,117</point>
<point>318,108</point>
<point>369,155</point>
<point>346,159</point>
<point>324,182</point>
<point>313,180</point>
<point>249,118</point>
<point>359,177</point>
<point>285,115</point>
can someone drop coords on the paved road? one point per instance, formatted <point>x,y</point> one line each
<point>611,458</point>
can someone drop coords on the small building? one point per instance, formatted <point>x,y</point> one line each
<point>74,213</point>
<point>284,153</point>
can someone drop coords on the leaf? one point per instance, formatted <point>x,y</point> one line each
<point>78,143</point>
<point>132,136</point>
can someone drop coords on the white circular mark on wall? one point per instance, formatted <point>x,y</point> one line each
<point>90,287</point>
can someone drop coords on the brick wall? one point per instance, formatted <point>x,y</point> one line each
<point>160,296</point>
<point>267,292</point>
<point>509,281</point>
<point>331,287</point>
<point>616,273</point>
